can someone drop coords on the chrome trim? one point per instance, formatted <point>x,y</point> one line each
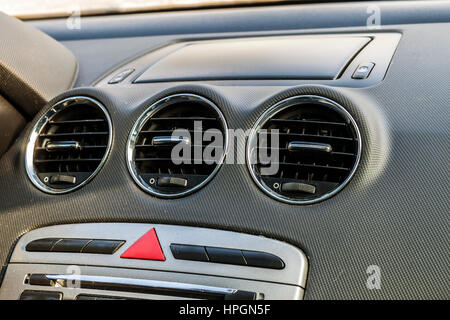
<point>62,145</point>
<point>280,106</point>
<point>165,140</point>
<point>157,284</point>
<point>302,145</point>
<point>29,154</point>
<point>146,115</point>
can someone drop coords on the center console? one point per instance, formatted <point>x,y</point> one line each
<point>143,261</point>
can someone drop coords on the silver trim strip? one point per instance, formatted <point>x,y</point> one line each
<point>146,115</point>
<point>187,287</point>
<point>280,106</point>
<point>29,154</point>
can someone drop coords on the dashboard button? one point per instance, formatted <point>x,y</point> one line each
<point>223,255</point>
<point>38,279</point>
<point>146,247</point>
<point>172,182</point>
<point>189,252</point>
<point>262,260</point>
<point>40,295</point>
<point>41,245</point>
<point>70,245</point>
<point>64,179</point>
<point>103,246</point>
<point>119,77</point>
<point>298,187</point>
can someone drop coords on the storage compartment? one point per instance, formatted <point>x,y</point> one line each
<point>318,57</point>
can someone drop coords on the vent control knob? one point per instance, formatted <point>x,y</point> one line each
<point>60,178</point>
<point>298,187</point>
<point>172,182</point>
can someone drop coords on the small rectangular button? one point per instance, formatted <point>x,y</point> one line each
<point>41,245</point>
<point>119,77</point>
<point>262,260</point>
<point>103,246</point>
<point>38,279</point>
<point>41,295</point>
<point>188,252</point>
<point>223,255</point>
<point>70,245</point>
<point>363,70</point>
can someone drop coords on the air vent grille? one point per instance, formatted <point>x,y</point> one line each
<point>304,149</point>
<point>68,145</point>
<point>153,139</point>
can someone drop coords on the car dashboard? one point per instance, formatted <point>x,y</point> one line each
<point>362,117</point>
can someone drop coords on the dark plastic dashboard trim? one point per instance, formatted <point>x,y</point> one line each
<point>280,18</point>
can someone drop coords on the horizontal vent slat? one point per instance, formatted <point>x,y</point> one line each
<point>183,119</point>
<point>82,148</point>
<point>73,134</point>
<point>346,154</point>
<point>312,166</point>
<point>188,176</point>
<point>309,122</point>
<point>296,136</point>
<point>168,132</point>
<point>41,161</point>
<point>169,160</point>
<point>77,122</point>
<point>151,146</point>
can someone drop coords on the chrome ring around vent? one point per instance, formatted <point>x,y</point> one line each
<point>29,153</point>
<point>142,120</point>
<point>282,105</point>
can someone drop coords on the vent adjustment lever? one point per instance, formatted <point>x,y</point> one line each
<point>298,187</point>
<point>172,182</point>
<point>61,178</point>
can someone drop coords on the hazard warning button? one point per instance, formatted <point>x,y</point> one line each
<point>147,248</point>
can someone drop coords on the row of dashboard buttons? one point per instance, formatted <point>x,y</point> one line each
<point>227,256</point>
<point>75,245</point>
<point>179,251</point>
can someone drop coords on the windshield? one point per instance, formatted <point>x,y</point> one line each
<point>34,9</point>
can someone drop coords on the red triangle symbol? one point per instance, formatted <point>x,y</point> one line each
<point>146,247</point>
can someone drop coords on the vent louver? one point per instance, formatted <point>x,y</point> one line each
<point>318,149</point>
<point>68,145</point>
<point>152,141</point>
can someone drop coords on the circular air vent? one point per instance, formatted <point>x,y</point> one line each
<point>177,145</point>
<point>68,145</point>
<point>303,149</point>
